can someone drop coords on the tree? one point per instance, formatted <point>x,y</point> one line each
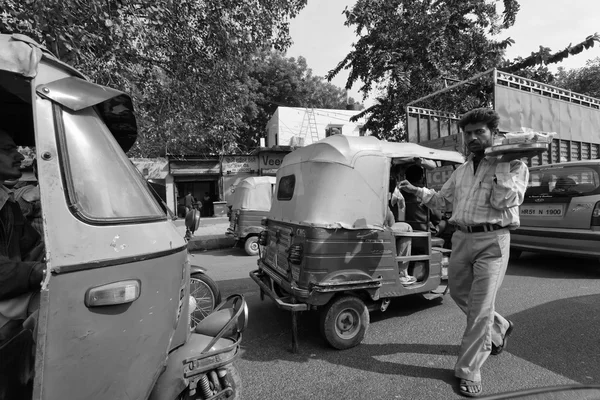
<point>585,80</point>
<point>184,61</point>
<point>409,48</point>
<point>279,81</point>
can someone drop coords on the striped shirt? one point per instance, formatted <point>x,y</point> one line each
<point>491,195</point>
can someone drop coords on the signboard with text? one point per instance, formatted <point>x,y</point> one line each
<point>239,164</point>
<point>270,161</point>
<point>438,176</point>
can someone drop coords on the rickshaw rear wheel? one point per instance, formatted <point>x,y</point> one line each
<point>344,322</point>
<point>207,295</point>
<point>251,246</point>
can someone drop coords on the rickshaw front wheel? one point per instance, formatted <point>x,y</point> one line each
<point>251,246</point>
<point>344,322</point>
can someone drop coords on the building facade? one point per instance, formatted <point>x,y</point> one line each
<point>296,126</point>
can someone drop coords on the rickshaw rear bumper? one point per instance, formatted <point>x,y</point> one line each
<point>319,294</point>
<point>186,364</point>
<point>285,303</point>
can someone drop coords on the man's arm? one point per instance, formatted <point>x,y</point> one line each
<point>438,200</point>
<point>19,277</point>
<point>510,182</point>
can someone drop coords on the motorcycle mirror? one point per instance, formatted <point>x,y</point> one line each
<point>192,220</point>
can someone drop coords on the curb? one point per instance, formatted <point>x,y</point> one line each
<point>210,242</point>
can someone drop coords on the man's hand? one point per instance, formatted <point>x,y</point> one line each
<point>408,187</point>
<point>427,164</point>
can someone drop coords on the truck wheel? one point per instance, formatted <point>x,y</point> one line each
<point>344,322</point>
<point>207,295</point>
<point>251,246</point>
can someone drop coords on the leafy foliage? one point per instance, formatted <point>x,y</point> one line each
<point>279,81</point>
<point>408,49</point>
<point>185,62</point>
<point>585,80</point>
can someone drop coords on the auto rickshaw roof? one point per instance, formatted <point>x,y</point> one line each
<point>343,149</point>
<point>254,181</point>
<point>254,193</point>
<point>20,60</point>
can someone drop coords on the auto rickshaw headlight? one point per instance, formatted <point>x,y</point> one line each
<point>113,293</point>
<point>263,237</point>
<point>295,252</point>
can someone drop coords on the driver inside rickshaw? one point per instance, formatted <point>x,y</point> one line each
<point>21,254</point>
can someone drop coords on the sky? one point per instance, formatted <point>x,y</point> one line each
<point>320,36</point>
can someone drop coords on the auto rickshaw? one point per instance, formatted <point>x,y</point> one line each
<point>326,246</point>
<point>251,202</point>
<point>115,310</point>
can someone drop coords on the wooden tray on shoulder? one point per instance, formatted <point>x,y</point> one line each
<point>529,149</point>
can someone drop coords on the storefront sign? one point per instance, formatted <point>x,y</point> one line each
<point>437,177</point>
<point>239,164</point>
<point>270,160</point>
<point>268,171</point>
<point>195,167</point>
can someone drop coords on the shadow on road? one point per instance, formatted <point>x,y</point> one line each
<point>269,338</point>
<point>554,266</point>
<point>566,338</point>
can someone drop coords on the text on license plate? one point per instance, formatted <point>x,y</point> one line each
<point>542,210</point>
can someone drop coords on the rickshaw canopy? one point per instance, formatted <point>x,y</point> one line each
<point>254,193</point>
<point>20,61</point>
<point>343,181</point>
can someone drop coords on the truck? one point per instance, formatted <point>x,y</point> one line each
<point>521,103</point>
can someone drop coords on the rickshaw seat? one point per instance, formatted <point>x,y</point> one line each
<point>437,242</point>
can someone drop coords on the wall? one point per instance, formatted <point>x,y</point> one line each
<point>287,122</point>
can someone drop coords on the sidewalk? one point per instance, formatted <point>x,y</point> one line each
<point>210,235</point>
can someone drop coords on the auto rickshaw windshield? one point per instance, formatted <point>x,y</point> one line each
<point>343,182</point>
<point>102,183</point>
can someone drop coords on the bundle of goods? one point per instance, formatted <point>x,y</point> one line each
<point>526,141</point>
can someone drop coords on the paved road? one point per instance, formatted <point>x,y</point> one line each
<point>409,351</point>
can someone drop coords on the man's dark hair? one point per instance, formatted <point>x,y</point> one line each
<point>477,115</point>
<point>414,174</point>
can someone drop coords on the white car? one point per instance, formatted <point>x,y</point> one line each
<point>561,210</point>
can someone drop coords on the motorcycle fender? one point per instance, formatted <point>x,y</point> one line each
<point>171,383</point>
<point>194,269</point>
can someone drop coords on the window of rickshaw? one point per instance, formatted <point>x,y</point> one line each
<point>103,185</point>
<point>285,190</point>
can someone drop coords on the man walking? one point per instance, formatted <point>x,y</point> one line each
<point>485,193</point>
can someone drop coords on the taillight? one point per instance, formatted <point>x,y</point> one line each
<point>263,237</point>
<point>596,215</point>
<point>114,293</point>
<point>295,254</point>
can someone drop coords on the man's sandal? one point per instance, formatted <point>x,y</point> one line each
<point>470,388</point>
<point>499,349</point>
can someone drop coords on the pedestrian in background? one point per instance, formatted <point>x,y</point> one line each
<point>485,193</point>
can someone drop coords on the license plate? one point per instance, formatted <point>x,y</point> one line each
<point>542,210</point>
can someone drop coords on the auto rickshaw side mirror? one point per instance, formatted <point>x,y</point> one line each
<point>192,220</point>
